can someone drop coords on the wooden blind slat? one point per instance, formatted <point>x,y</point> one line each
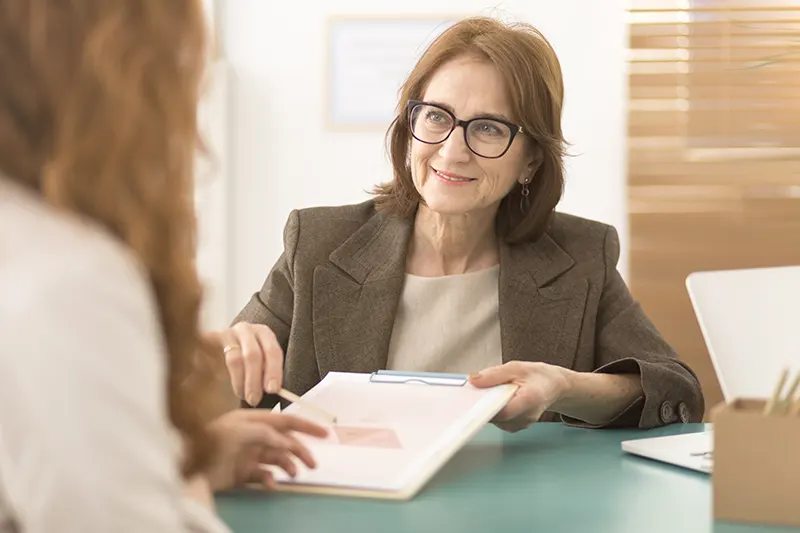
<point>698,4</point>
<point>704,92</point>
<point>694,54</point>
<point>774,11</point>
<point>681,170</point>
<point>752,28</point>
<point>716,68</point>
<point>732,155</point>
<point>767,77</point>
<point>755,43</point>
<point>777,114</point>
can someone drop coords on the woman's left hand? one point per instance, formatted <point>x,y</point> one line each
<point>540,386</point>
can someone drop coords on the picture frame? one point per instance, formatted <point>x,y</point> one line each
<point>367,60</point>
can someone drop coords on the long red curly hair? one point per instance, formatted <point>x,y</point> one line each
<point>98,103</point>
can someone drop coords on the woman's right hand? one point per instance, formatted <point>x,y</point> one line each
<point>250,438</point>
<point>254,360</point>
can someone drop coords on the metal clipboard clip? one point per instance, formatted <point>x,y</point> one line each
<point>426,378</point>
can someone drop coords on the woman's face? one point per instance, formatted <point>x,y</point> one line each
<point>450,177</point>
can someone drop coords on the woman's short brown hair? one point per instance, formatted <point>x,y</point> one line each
<point>98,107</point>
<point>532,75</point>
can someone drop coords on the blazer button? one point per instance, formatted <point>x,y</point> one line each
<point>667,413</point>
<point>683,412</point>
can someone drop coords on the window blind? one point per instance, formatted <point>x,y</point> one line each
<point>714,151</point>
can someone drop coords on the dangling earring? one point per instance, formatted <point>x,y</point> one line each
<point>524,201</point>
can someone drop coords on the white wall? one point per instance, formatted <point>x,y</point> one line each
<point>211,199</point>
<point>281,156</point>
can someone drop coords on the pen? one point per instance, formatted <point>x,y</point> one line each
<point>305,404</point>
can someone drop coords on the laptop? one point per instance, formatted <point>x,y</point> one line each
<point>750,325</point>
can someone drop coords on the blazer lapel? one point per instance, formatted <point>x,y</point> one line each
<point>356,294</point>
<point>540,313</point>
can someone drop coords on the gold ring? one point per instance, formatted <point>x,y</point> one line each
<point>230,348</point>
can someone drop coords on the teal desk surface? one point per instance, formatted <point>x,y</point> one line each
<point>549,478</point>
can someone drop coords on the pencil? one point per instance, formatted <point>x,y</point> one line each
<point>305,404</point>
<point>786,404</point>
<point>795,409</point>
<point>777,394</point>
<point>794,403</point>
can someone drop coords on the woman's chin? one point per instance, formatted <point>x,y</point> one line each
<point>448,206</point>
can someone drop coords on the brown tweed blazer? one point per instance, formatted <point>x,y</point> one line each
<point>332,296</point>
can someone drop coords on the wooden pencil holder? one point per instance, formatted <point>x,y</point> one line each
<point>756,473</point>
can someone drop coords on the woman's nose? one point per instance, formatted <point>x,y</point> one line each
<point>454,148</point>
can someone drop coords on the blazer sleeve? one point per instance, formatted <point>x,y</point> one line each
<point>273,305</point>
<point>627,342</point>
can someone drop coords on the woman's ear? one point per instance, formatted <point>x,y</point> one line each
<point>532,165</point>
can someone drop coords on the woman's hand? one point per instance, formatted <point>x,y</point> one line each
<point>540,386</point>
<point>254,360</point>
<point>248,438</point>
<point>594,397</point>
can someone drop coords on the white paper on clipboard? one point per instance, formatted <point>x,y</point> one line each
<point>390,436</point>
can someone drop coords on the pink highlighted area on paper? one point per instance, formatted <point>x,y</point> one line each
<point>367,437</point>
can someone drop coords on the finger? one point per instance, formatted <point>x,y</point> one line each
<point>285,422</point>
<point>268,480</point>
<point>276,442</point>
<point>522,421</point>
<point>497,375</point>
<point>273,359</point>
<point>286,441</point>
<point>513,410</point>
<point>253,363</point>
<point>233,361</point>
<point>512,426</point>
<point>281,459</point>
<point>265,436</point>
<point>504,416</point>
<point>301,452</point>
<point>262,476</point>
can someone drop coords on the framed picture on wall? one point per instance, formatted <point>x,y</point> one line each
<point>368,58</point>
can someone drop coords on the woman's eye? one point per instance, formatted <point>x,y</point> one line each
<point>488,129</point>
<point>434,116</point>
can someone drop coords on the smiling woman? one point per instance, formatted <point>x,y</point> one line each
<point>460,263</point>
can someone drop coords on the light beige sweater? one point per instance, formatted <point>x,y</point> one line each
<point>447,324</point>
<point>85,441</point>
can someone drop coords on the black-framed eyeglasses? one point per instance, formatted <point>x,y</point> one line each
<point>485,137</point>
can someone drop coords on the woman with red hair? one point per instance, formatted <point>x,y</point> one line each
<point>105,383</point>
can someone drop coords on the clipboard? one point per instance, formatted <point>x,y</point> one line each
<point>427,378</point>
<point>394,431</point>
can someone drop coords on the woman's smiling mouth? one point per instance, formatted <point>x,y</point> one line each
<point>449,177</point>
